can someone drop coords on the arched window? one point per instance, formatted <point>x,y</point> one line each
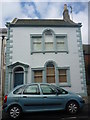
<point>50,72</point>
<point>18,76</point>
<point>49,39</point>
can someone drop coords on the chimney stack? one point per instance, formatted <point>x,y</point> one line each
<point>66,16</point>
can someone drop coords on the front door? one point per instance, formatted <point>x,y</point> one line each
<point>18,76</point>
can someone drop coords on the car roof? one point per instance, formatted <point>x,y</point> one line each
<point>32,84</point>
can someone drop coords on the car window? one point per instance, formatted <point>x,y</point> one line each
<point>31,89</point>
<point>61,91</point>
<point>18,90</point>
<point>46,89</point>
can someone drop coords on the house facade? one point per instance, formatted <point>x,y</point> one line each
<point>47,51</point>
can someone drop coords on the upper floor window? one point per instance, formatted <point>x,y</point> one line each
<point>61,43</point>
<point>49,42</point>
<point>48,38</point>
<point>37,44</point>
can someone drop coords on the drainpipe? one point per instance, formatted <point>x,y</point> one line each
<point>2,66</point>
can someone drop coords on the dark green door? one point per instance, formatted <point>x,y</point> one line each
<point>18,79</point>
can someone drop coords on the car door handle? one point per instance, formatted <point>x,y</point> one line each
<point>45,97</point>
<point>24,96</point>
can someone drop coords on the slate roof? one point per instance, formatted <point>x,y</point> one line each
<point>43,22</point>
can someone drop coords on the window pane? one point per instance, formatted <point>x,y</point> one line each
<point>38,79</point>
<point>37,46</point>
<point>50,79</point>
<point>48,40</point>
<point>32,89</point>
<point>50,73</point>
<point>19,90</point>
<point>38,76</point>
<point>62,76</point>
<point>61,45</point>
<point>47,89</point>
<point>62,72</point>
<point>48,46</point>
<point>62,79</point>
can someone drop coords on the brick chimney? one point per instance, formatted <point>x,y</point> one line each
<point>66,16</point>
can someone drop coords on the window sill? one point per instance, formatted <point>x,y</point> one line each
<point>43,52</point>
<point>64,85</point>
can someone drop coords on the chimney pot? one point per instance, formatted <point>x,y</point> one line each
<point>66,16</point>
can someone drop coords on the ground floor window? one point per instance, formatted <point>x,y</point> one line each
<point>50,73</point>
<point>38,76</point>
<point>62,75</point>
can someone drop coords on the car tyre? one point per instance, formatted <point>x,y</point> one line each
<point>14,112</point>
<point>72,107</point>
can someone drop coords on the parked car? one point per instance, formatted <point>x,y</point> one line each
<point>40,97</point>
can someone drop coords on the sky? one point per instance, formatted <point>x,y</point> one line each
<point>45,9</point>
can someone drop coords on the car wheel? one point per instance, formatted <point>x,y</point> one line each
<point>14,112</point>
<point>72,107</point>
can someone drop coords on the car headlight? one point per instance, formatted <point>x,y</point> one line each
<point>80,96</point>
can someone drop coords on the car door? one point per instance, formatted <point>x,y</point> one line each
<point>31,98</point>
<point>52,100</point>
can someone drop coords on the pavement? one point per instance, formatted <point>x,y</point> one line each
<point>84,114</point>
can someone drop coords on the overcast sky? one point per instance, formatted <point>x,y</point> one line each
<point>45,9</point>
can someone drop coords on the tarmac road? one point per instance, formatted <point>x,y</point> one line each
<point>84,114</point>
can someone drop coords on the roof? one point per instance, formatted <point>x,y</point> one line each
<point>86,49</point>
<point>43,22</point>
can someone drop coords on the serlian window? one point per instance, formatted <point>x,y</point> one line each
<point>51,73</point>
<point>48,41</point>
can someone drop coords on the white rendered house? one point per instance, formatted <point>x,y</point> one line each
<point>45,50</point>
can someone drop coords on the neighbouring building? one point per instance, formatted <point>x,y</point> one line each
<point>47,51</point>
<point>3,37</point>
<point>86,49</point>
